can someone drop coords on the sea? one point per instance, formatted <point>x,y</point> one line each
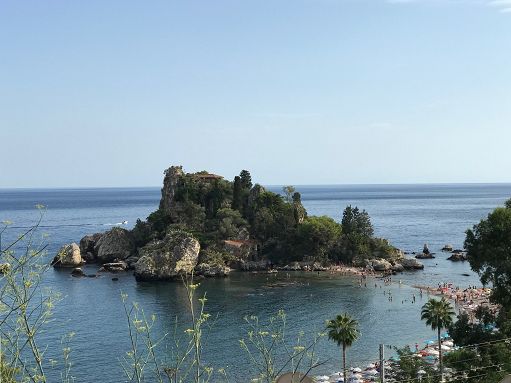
<point>408,215</point>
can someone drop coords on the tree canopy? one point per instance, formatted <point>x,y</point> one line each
<point>488,246</point>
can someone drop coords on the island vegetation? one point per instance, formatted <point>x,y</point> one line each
<point>208,226</point>
<point>222,225</point>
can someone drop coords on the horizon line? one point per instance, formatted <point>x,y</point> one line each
<point>264,185</point>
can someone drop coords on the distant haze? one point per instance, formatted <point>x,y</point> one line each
<point>110,93</point>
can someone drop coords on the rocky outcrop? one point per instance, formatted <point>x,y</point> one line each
<point>398,268</point>
<point>77,272</point>
<point>253,265</point>
<point>411,264</point>
<point>425,249</point>
<point>68,256</point>
<point>379,264</point>
<point>165,259</point>
<point>447,248</point>
<point>114,244</point>
<point>457,257</point>
<point>303,266</point>
<point>208,270</point>
<point>87,245</point>
<point>171,182</point>
<point>424,256</point>
<point>293,266</point>
<point>114,267</point>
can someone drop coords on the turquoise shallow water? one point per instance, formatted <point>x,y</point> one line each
<point>408,215</point>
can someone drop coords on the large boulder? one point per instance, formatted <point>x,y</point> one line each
<point>380,264</point>
<point>447,247</point>
<point>457,257</point>
<point>114,267</point>
<point>77,272</point>
<point>165,259</point>
<point>68,256</point>
<point>411,264</point>
<point>87,246</point>
<point>424,256</point>
<point>209,270</point>
<point>114,244</point>
<point>252,265</point>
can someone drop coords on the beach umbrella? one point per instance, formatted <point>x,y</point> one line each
<point>433,352</point>
<point>322,378</point>
<point>445,347</point>
<point>357,369</point>
<point>371,366</point>
<point>448,343</point>
<point>430,342</point>
<point>445,335</point>
<point>371,372</point>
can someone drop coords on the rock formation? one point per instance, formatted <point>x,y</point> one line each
<point>425,256</point>
<point>114,267</point>
<point>165,259</point>
<point>68,256</point>
<point>208,270</point>
<point>87,245</point>
<point>457,257</point>
<point>411,264</point>
<point>114,244</point>
<point>379,264</point>
<point>168,192</point>
<point>77,272</point>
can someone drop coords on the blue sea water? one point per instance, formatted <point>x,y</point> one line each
<point>408,215</point>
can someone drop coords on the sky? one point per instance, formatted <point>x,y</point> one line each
<point>110,93</point>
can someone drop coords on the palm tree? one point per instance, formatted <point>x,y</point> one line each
<point>438,315</point>
<point>344,331</point>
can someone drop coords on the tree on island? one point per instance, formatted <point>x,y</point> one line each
<point>246,179</point>
<point>237,194</point>
<point>344,331</point>
<point>438,315</point>
<point>357,222</point>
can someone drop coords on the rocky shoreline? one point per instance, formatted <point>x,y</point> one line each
<point>201,228</point>
<point>178,253</point>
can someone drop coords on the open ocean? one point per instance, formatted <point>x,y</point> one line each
<point>408,215</point>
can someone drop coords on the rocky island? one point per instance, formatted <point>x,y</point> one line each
<point>209,226</point>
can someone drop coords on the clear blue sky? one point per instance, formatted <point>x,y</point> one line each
<point>110,93</point>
